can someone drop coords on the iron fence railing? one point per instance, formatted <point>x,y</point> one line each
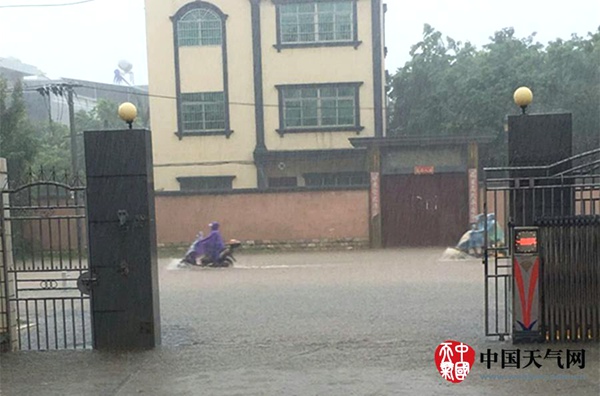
<point>556,196</point>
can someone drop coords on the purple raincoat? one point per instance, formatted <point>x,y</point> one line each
<point>213,244</point>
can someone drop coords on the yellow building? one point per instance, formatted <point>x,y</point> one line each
<point>267,92</point>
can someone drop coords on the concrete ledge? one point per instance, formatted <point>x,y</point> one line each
<point>283,246</point>
<point>310,244</point>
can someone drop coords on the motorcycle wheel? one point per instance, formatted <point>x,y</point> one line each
<point>227,262</point>
<point>188,261</point>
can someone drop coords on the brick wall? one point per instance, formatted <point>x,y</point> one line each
<point>320,218</point>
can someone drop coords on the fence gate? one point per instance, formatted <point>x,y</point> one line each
<point>563,200</point>
<point>44,221</point>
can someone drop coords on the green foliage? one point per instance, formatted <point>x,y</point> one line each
<point>46,146</point>
<point>18,143</point>
<point>452,88</point>
<point>573,84</point>
<point>103,116</point>
<point>54,147</point>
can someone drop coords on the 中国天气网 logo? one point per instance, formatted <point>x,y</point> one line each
<point>454,360</point>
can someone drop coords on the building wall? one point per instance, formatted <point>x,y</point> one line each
<point>316,65</point>
<point>404,160</point>
<point>299,215</point>
<point>201,69</point>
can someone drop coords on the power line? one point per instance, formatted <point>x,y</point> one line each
<point>160,96</point>
<point>46,5</point>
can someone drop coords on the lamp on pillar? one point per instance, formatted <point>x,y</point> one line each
<point>536,142</point>
<point>128,112</point>
<point>523,97</point>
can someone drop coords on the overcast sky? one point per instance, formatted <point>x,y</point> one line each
<point>87,41</point>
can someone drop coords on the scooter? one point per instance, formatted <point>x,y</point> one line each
<point>226,258</point>
<point>472,241</point>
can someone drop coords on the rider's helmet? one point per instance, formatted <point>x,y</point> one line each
<point>214,226</point>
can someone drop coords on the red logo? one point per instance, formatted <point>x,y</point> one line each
<point>454,360</point>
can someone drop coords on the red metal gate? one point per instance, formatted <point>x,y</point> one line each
<point>424,210</point>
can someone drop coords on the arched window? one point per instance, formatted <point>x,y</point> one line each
<point>199,26</point>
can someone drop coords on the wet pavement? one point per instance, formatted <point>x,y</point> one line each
<point>335,323</point>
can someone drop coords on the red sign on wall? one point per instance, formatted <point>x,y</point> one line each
<point>424,170</point>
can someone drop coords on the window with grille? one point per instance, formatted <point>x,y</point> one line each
<point>199,26</point>
<point>317,22</point>
<point>282,182</point>
<point>206,183</point>
<point>339,179</point>
<point>203,112</point>
<point>319,106</point>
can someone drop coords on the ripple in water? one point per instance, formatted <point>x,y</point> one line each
<point>452,254</point>
<point>176,265</point>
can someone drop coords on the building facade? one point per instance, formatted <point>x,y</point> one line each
<point>264,94</point>
<point>46,98</point>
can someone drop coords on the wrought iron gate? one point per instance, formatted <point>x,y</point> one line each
<point>45,238</point>
<point>559,198</point>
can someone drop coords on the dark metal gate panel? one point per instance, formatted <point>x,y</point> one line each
<point>552,192</point>
<point>46,216</point>
<point>570,253</point>
<point>498,259</point>
<point>424,210</point>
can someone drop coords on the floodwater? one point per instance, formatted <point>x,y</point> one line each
<point>453,254</point>
<point>322,323</point>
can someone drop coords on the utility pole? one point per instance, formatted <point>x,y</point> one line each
<point>61,89</point>
<point>74,164</point>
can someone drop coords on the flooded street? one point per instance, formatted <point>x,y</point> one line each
<point>330,323</point>
<point>319,298</point>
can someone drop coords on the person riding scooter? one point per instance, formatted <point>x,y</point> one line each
<point>195,251</point>
<point>212,245</point>
<point>211,251</point>
<point>472,241</point>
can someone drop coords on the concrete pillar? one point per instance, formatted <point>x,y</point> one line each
<point>8,329</point>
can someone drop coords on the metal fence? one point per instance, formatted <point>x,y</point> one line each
<point>570,278</point>
<point>44,218</point>
<point>560,198</point>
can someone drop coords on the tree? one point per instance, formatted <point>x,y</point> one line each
<point>54,148</point>
<point>47,146</point>
<point>18,143</point>
<point>451,88</point>
<point>573,84</point>
<point>103,116</point>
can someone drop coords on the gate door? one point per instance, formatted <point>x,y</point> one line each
<point>424,210</point>
<point>44,220</point>
<point>569,189</point>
